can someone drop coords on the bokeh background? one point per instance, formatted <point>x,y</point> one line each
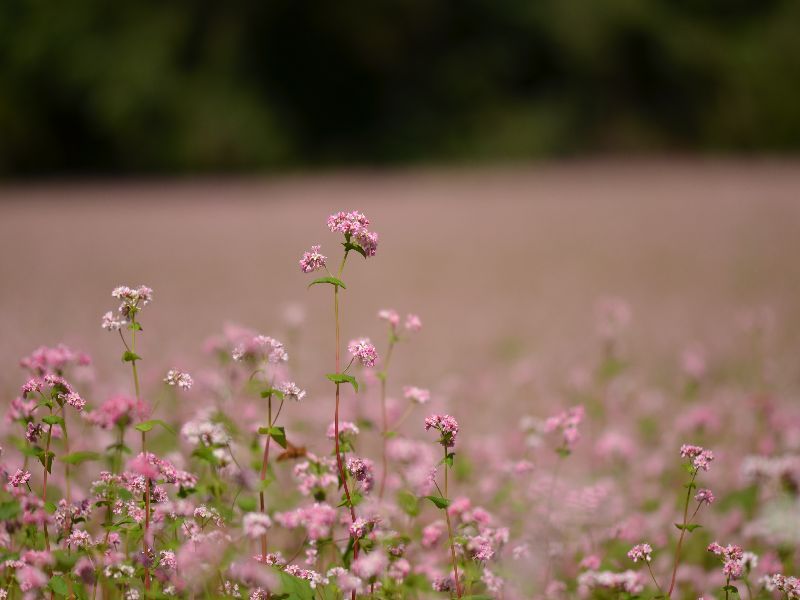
<point>148,87</point>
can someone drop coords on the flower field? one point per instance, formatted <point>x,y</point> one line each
<point>512,392</point>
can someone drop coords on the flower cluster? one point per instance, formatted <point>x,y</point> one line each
<point>178,378</point>
<point>354,227</point>
<point>132,300</point>
<point>640,552</point>
<point>732,559</point>
<point>312,260</point>
<point>446,425</point>
<point>363,351</point>
<point>700,457</point>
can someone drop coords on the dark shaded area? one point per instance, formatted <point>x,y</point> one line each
<point>93,86</point>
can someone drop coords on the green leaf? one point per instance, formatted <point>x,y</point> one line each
<point>338,378</point>
<point>247,503</point>
<point>9,510</point>
<point>276,433</point>
<point>690,528</point>
<point>438,501</point>
<point>134,326</point>
<point>563,452</point>
<point>408,502</point>
<point>348,246</point>
<point>77,458</point>
<point>205,453</point>
<point>272,392</point>
<point>53,420</point>
<point>58,585</point>
<point>148,425</point>
<point>730,588</point>
<point>332,280</point>
<point>295,588</point>
<point>129,356</point>
<point>50,507</point>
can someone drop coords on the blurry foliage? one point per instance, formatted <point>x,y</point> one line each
<point>193,86</point>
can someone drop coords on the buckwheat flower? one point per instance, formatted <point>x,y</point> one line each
<point>112,322</point>
<point>444,584</point>
<point>370,566</point>
<point>390,316</point>
<point>361,469</point>
<point>74,400</point>
<point>480,548</point>
<point>291,391</point>
<point>19,478</point>
<point>363,350</point>
<point>359,527</point>
<point>352,223</point>
<point>704,495</point>
<point>640,552</point>
<point>260,347</point>
<point>700,457</point>
<point>446,425</point>
<point>178,378</point>
<point>79,539</point>
<point>33,431</point>
<point>417,395</point>
<point>312,260</point>
<point>346,428</point>
<point>256,524</point>
<point>494,584</point>
<point>432,534</point>
<point>413,323</point>
<point>30,578</point>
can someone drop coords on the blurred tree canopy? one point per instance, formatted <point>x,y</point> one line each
<point>130,87</point>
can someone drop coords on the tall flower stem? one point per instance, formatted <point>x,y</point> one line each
<point>44,484</point>
<point>689,489</point>
<point>339,462</point>
<point>145,544</point>
<point>450,530</point>
<point>264,466</point>
<point>385,420</point>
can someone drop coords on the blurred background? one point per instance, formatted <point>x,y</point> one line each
<point>147,87</point>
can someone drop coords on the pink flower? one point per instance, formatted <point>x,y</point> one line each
<point>354,226</point>
<point>640,552</point>
<point>413,323</point>
<point>446,425</point>
<point>19,478</point>
<point>363,350</point>
<point>178,378</point>
<point>256,524</point>
<point>361,469</point>
<point>390,316</point>
<point>291,391</point>
<point>312,260</point>
<point>701,458</point>
<point>704,495</point>
<point>415,394</point>
<point>346,428</point>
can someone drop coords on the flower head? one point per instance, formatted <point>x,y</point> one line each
<point>354,227</point>
<point>19,478</point>
<point>363,350</point>
<point>640,552</point>
<point>704,495</point>
<point>413,323</point>
<point>446,425</point>
<point>291,391</point>
<point>183,380</point>
<point>700,457</point>
<point>415,394</point>
<point>312,260</point>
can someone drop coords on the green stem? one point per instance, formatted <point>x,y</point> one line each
<point>450,529</point>
<point>689,489</point>
<point>385,419</point>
